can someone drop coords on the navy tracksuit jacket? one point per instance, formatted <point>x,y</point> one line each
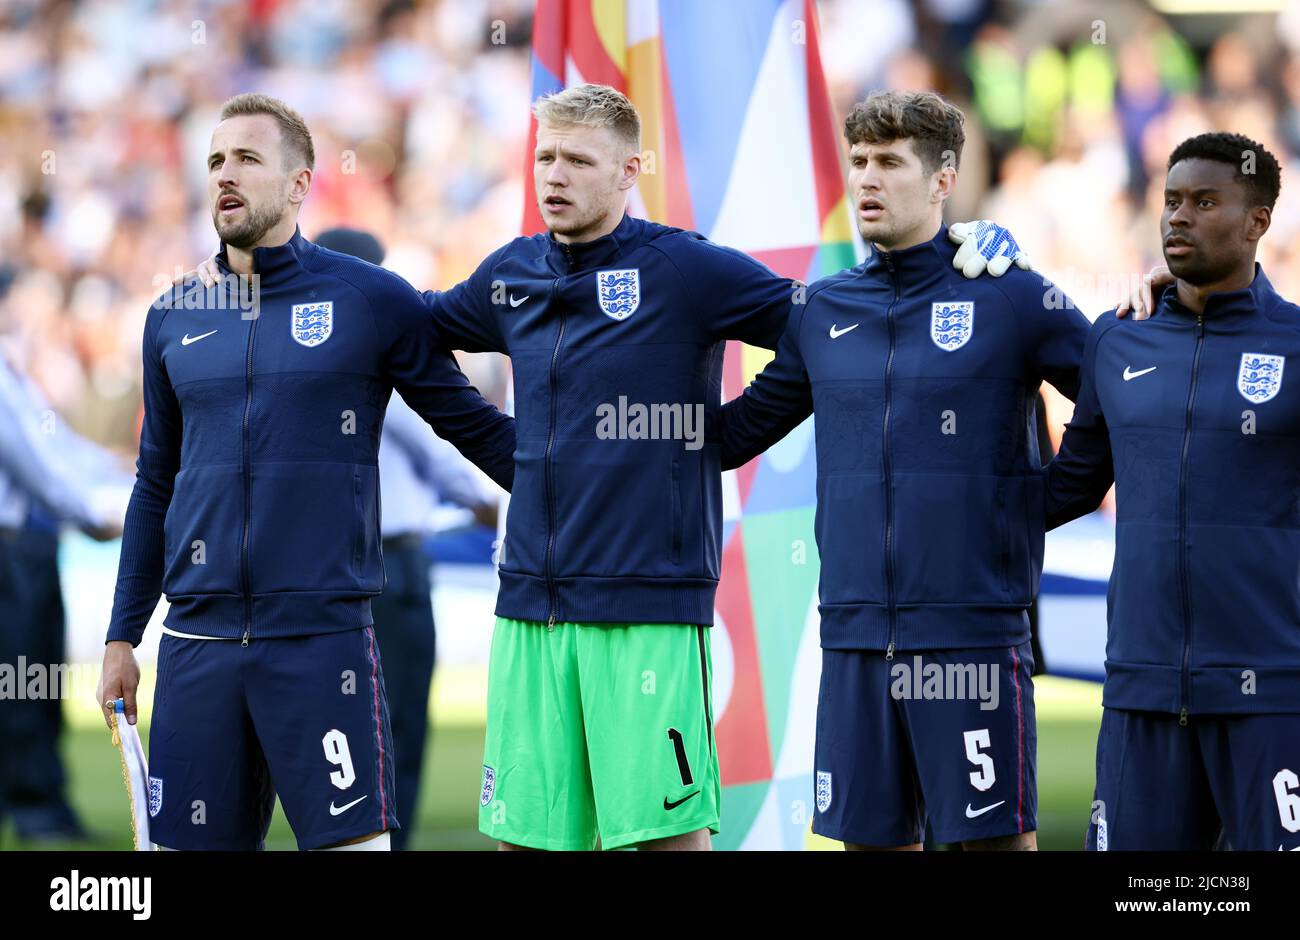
<point>611,521</point>
<point>256,503</point>
<point>1197,417</point>
<point>929,483</point>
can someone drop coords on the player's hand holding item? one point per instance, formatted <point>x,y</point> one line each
<point>135,772</point>
<point>119,679</point>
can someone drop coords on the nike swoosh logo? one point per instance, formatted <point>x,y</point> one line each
<point>1130,375</point>
<point>668,805</point>
<point>339,810</point>
<point>516,303</point>
<point>1280,849</point>
<point>187,338</point>
<point>972,813</point>
<point>836,334</point>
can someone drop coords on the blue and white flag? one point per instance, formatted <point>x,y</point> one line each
<point>143,792</point>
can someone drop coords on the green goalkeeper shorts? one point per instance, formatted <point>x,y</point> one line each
<point>598,730</point>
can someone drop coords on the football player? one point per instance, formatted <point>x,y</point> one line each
<point>256,511</point>
<point>1195,418</point>
<point>929,500</point>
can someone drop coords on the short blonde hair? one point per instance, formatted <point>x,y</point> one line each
<point>293,129</point>
<point>592,106</point>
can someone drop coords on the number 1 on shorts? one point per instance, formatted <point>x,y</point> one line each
<point>683,766</point>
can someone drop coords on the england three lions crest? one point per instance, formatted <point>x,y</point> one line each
<point>951,323</point>
<point>823,791</point>
<point>1260,376</point>
<point>619,292</point>
<point>155,795</point>
<point>312,324</point>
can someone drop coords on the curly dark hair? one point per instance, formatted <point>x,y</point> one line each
<point>1264,181</point>
<point>935,127</point>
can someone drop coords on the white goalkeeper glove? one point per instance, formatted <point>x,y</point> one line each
<point>985,246</point>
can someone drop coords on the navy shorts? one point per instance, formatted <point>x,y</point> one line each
<point>947,734</point>
<point>1220,781</point>
<point>304,718</point>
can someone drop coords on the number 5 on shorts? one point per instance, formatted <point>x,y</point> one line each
<point>983,778</point>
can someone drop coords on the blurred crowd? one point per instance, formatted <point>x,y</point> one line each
<point>419,115</point>
<point>417,110</point>
<point>1073,109</point>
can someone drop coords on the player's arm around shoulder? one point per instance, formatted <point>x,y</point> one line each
<point>1052,329</point>
<point>416,359</point>
<point>1078,478</point>
<point>468,315</point>
<point>733,295</point>
<point>777,401</point>
<point>986,247</point>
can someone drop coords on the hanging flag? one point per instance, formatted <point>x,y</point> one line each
<point>740,145</point>
<point>142,791</point>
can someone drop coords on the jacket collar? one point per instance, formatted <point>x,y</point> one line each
<point>582,256</point>
<point>931,260</point>
<point>277,263</point>
<point>1258,298</point>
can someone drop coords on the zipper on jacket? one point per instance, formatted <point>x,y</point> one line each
<point>248,467</point>
<point>1185,673</point>
<point>884,453</point>
<point>550,444</point>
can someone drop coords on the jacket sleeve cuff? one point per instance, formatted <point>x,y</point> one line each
<point>132,635</point>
